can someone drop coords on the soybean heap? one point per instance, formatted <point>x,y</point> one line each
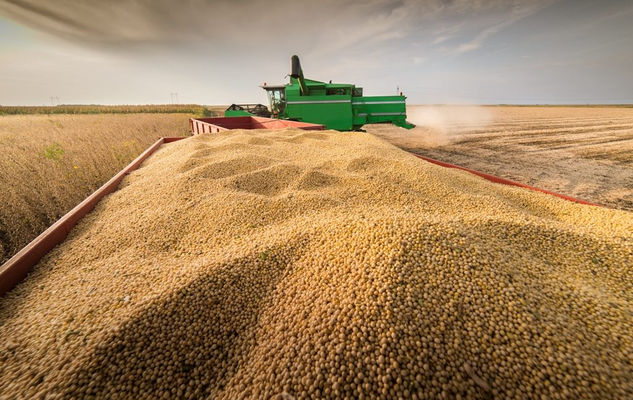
<point>293,264</point>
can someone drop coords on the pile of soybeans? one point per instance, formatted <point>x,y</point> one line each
<point>296,265</point>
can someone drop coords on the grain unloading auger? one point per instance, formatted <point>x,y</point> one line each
<point>339,106</point>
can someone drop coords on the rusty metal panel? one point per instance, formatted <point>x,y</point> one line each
<point>219,124</point>
<point>503,181</point>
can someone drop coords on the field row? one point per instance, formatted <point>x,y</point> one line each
<point>581,152</point>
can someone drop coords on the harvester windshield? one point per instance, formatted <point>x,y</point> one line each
<point>276,99</point>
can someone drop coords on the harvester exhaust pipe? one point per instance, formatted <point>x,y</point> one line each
<point>297,73</point>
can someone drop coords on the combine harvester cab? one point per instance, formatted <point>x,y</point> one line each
<point>339,106</point>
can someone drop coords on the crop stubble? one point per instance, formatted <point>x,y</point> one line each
<point>584,152</point>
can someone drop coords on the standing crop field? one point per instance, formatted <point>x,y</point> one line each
<point>585,152</point>
<point>118,109</point>
<point>51,163</point>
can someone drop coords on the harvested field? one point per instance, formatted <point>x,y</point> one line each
<point>329,265</point>
<point>52,162</point>
<point>584,152</point>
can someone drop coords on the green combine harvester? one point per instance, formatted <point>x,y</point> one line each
<point>339,106</point>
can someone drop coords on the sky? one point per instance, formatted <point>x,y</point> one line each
<point>219,52</point>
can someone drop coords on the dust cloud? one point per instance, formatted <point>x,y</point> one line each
<point>436,125</point>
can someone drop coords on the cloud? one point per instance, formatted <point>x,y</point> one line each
<point>517,12</point>
<point>134,23</point>
<point>442,39</point>
<point>325,26</point>
<point>220,50</point>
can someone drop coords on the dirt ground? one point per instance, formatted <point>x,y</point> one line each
<point>584,152</point>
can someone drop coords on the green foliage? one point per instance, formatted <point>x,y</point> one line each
<point>54,152</point>
<point>208,113</point>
